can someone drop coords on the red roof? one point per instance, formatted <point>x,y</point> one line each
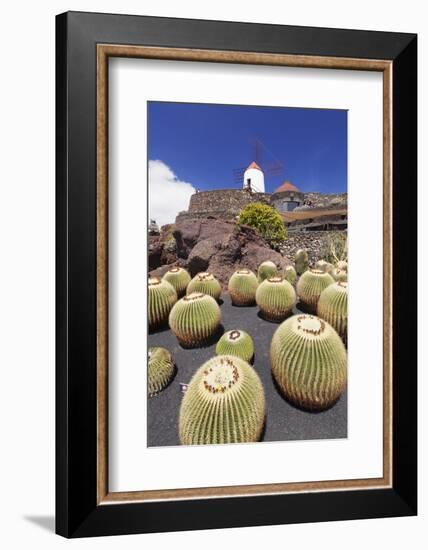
<point>286,186</point>
<point>254,165</point>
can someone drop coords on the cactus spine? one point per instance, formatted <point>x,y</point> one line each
<point>333,307</point>
<point>309,361</point>
<point>206,283</point>
<point>179,278</point>
<point>194,319</point>
<point>224,403</point>
<point>275,298</point>
<point>242,287</point>
<point>161,298</point>
<point>322,265</point>
<point>339,274</point>
<point>237,343</point>
<point>160,370</point>
<point>310,286</point>
<point>301,261</point>
<point>290,274</point>
<point>265,270</point>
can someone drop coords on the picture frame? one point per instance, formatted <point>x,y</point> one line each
<point>84,44</point>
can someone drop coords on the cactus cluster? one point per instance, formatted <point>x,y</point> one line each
<point>160,370</point>
<point>322,265</point>
<point>179,278</point>
<point>206,283</point>
<point>224,403</point>
<point>237,343</point>
<point>339,274</point>
<point>301,261</point>
<point>195,319</point>
<point>290,274</point>
<point>333,307</point>
<point>309,362</point>
<point>341,264</point>
<point>161,298</point>
<point>265,270</point>
<point>242,287</point>
<point>310,286</point>
<point>275,297</point>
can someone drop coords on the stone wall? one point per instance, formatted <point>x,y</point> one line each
<point>224,200</point>
<point>312,241</point>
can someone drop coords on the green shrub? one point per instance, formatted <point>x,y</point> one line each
<point>265,220</point>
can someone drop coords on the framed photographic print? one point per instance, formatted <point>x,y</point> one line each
<point>236,247</point>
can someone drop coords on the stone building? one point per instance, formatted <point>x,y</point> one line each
<point>287,197</point>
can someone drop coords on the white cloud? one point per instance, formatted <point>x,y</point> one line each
<point>167,194</point>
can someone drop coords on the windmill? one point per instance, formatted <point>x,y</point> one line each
<point>259,152</point>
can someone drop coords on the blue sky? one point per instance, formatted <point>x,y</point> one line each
<point>203,143</point>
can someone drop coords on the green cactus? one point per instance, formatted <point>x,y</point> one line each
<point>161,298</point>
<point>301,261</point>
<point>310,286</point>
<point>322,265</point>
<point>179,278</point>
<point>309,361</point>
<point>237,343</point>
<point>265,270</point>
<point>275,297</point>
<point>341,264</point>
<point>290,274</point>
<point>339,275</point>
<point>242,287</point>
<point>206,283</point>
<point>333,307</point>
<point>194,319</point>
<point>160,370</point>
<point>224,403</point>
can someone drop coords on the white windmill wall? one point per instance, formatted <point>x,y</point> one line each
<point>257,180</point>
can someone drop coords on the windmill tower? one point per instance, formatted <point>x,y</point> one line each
<point>252,178</point>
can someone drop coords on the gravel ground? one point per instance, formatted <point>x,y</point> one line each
<point>283,420</point>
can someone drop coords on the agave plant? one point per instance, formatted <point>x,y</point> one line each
<point>309,361</point>
<point>224,403</point>
<point>242,287</point>
<point>161,298</point>
<point>179,278</point>
<point>310,286</point>
<point>266,269</point>
<point>290,274</point>
<point>237,343</point>
<point>160,370</point>
<point>206,283</point>
<point>275,297</point>
<point>333,307</point>
<point>301,261</point>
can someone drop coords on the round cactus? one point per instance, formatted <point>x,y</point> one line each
<point>265,270</point>
<point>290,274</point>
<point>301,261</point>
<point>309,361</point>
<point>310,286</point>
<point>237,343</point>
<point>339,274</point>
<point>194,319</point>
<point>206,283</point>
<point>160,370</point>
<point>224,403</point>
<point>333,307</point>
<point>341,264</point>
<point>161,298</point>
<point>242,287</point>
<point>179,278</point>
<point>275,297</point>
<point>322,265</point>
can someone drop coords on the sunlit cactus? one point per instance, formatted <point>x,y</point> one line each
<point>310,286</point>
<point>242,287</point>
<point>309,361</point>
<point>179,278</point>
<point>322,265</point>
<point>224,403</point>
<point>206,283</point>
<point>341,264</point>
<point>160,370</point>
<point>161,298</point>
<point>195,319</point>
<point>237,343</point>
<point>275,297</point>
<point>339,275</point>
<point>290,274</point>
<point>301,261</point>
<point>333,307</point>
<point>266,269</point>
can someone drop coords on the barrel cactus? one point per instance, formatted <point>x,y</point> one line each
<point>237,343</point>
<point>333,307</point>
<point>301,261</point>
<point>160,370</point>
<point>309,362</point>
<point>206,283</point>
<point>265,270</point>
<point>161,298</point>
<point>341,264</point>
<point>275,297</point>
<point>290,274</point>
<point>339,274</point>
<point>322,265</point>
<point>179,278</point>
<point>242,287</point>
<point>195,319</point>
<point>224,403</point>
<point>310,286</point>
